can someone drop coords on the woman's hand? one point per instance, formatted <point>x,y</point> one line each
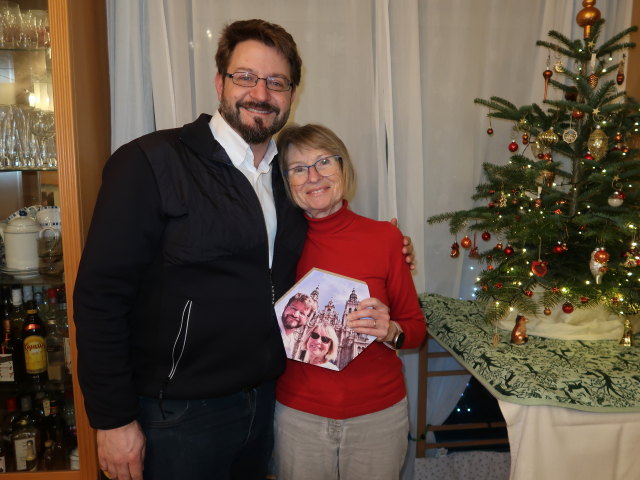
<point>372,318</point>
<point>407,248</point>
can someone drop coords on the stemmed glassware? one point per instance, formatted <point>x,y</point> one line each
<point>43,128</point>
<point>11,23</point>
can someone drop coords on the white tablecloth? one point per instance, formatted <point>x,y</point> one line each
<point>555,443</point>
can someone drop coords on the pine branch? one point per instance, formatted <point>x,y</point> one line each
<point>569,43</point>
<point>573,53</point>
<point>606,46</point>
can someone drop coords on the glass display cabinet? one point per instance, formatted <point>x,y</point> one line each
<point>54,139</point>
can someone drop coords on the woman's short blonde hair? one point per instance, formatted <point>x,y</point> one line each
<point>321,138</point>
<point>324,329</point>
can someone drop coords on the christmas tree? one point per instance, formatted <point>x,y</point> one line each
<point>565,209</point>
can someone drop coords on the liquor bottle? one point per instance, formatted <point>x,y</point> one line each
<point>17,312</point>
<point>55,343</point>
<point>25,438</point>
<point>39,299</point>
<point>31,457</point>
<point>34,346</point>
<point>27,297</point>
<point>64,324</point>
<point>62,307</point>
<point>47,455</point>
<point>7,430</point>
<point>56,431</point>
<point>69,415</point>
<point>11,357</point>
<point>3,458</point>
<point>5,301</point>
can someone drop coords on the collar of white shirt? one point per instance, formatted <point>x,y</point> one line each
<point>238,150</point>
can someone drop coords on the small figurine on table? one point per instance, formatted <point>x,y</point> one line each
<point>519,333</point>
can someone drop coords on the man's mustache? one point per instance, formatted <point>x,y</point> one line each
<point>259,106</point>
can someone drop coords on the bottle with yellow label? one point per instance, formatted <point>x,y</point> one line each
<point>34,345</point>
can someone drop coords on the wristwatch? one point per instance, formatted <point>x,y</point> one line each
<point>398,340</point>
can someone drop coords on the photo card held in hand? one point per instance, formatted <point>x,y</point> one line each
<point>311,316</point>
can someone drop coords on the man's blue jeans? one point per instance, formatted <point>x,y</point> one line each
<point>225,438</point>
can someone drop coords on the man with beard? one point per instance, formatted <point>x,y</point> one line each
<point>192,240</point>
<point>299,309</point>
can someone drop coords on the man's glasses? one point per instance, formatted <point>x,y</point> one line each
<point>246,79</point>
<point>316,335</point>
<point>325,166</point>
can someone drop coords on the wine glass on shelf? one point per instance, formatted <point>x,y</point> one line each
<point>10,139</point>
<point>43,128</point>
<point>11,20</point>
<point>4,160</point>
<point>22,123</point>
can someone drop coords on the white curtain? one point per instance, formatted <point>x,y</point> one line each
<point>395,79</point>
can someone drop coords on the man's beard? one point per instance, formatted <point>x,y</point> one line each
<point>291,324</point>
<point>253,134</point>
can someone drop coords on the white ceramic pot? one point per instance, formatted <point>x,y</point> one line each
<point>20,237</point>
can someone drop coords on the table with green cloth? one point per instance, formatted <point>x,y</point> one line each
<point>572,407</point>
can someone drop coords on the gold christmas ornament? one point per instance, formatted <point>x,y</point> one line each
<point>588,16</point>
<point>547,177</point>
<point>592,80</point>
<point>627,334</point>
<point>598,143</point>
<point>548,138</point>
<point>569,135</point>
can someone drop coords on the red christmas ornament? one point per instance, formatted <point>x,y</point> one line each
<point>601,256</point>
<point>540,155</point>
<point>584,299</point>
<point>567,308</point>
<point>525,138</point>
<point>539,268</point>
<point>547,157</point>
<point>615,300</point>
<point>555,289</point>
<point>455,250</point>
<point>489,267</point>
<point>498,285</point>
<point>485,288</point>
<point>558,248</point>
<point>498,246</point>
<point>577,114</point>
<point>491,204</point>
<point>528,293</point>
<point>513,147</point>
<point>486,236</point>
<point>620,78</point>
<point>588,156</point>
<point>474,253</point>
<point>571,94</point>
<point>508,250</point>
<point>490,131</point>
<point>547,311</point>
<point>617,137</point>
<point>465,242</point>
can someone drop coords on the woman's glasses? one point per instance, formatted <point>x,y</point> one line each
<point>316,335</point>
<point>325,166</point>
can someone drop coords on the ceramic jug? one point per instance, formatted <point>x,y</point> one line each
<point>20,237</point>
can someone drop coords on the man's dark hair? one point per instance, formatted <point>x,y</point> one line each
<point>270,34</point>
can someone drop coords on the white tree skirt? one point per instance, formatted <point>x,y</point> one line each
<point>463,466</point>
